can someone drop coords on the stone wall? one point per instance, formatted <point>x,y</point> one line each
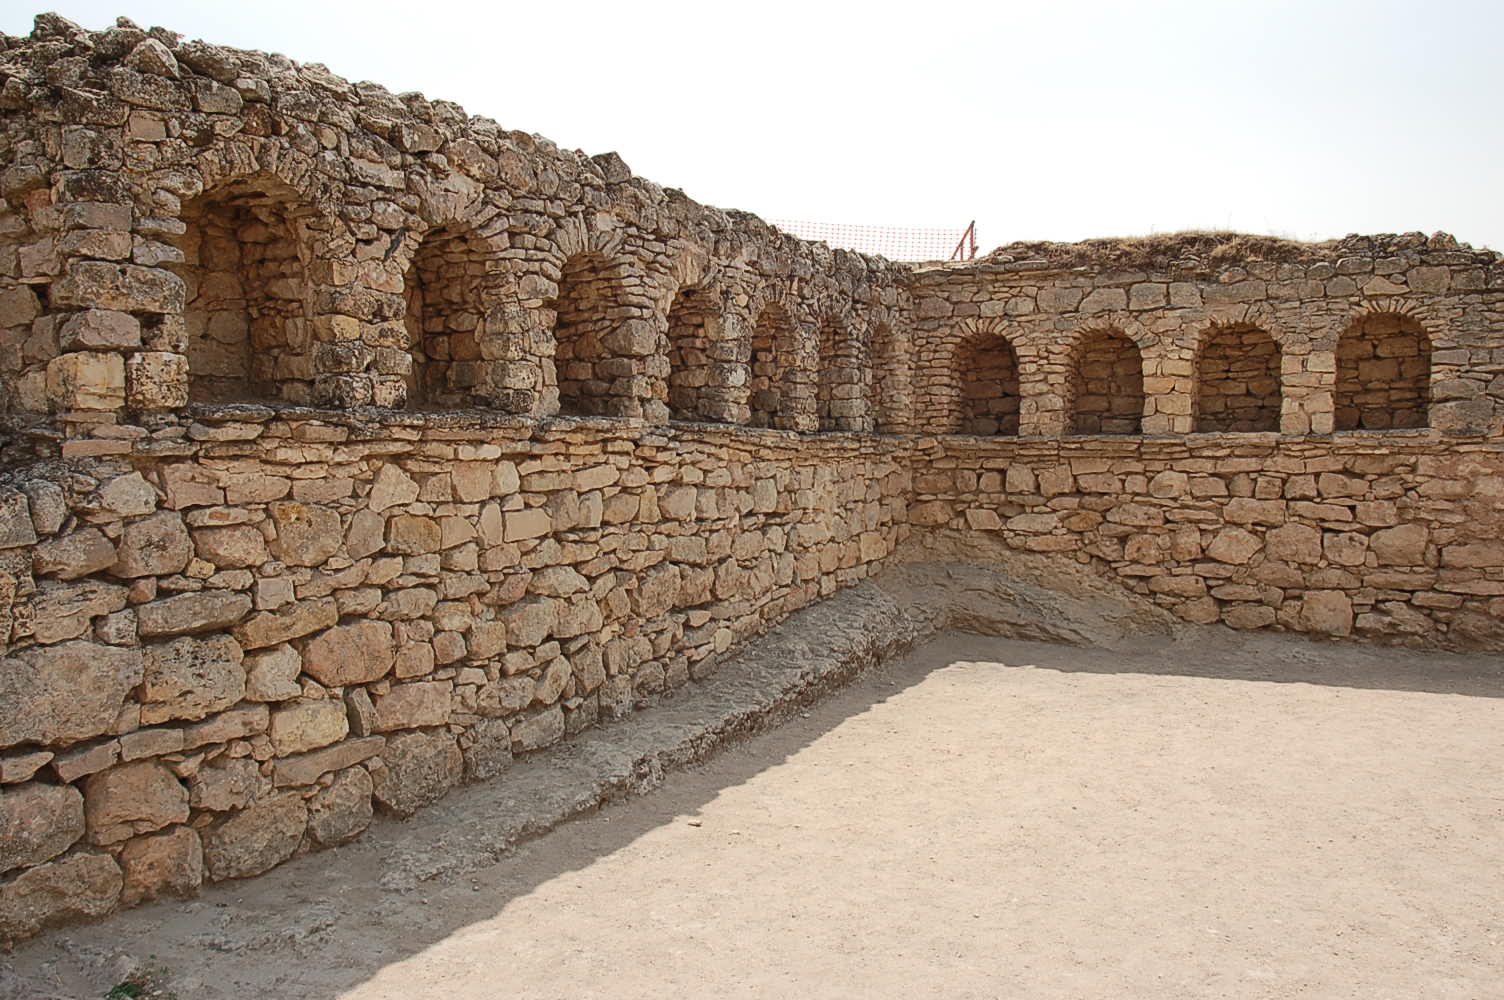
<point>1392,537</point>
<point>230,632</point>
<point>231,638</point>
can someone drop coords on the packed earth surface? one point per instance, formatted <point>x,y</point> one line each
<point>1208,816</point>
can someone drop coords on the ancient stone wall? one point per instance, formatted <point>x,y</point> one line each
<point>1384,536</point>
<point>229,639</point>
<point>353,445</point>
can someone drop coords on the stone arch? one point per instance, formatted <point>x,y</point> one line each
<point>841,383</point>
<point>1105,388</point>
<point>248,316</point>
<point>892,382</point>
<point>1238,368</point>
<point>773,368</point>
<point>450,284</point>
<point>697,356</point>
<point>1383,372</point>
<point>990,394</point>
<point>598,339</point>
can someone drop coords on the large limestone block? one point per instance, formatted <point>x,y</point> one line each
<point>37,823</point>
<point>158,545</point>
<point>1295,543</point>
<point>307,534</point>
<point>64,693</point>
<point>1403,545</point>
<point>272,627</point>
<point>308,726</point>
<point>255,839</point>
<point>1234,546</point>
<point>76,888</point>
<point>540,729</point>
<point>350,654</point>
<point>202,611</point>
<point>234,547</point>
<point>162,864</point>
<point>122,287</point>
<point>530,621</point>
<point>66,611</point>
<point>392,488</point>
<point>305,769</point>
<point>74,555</point>
<point>156,380</point>
<point>1329,612</point>
<point>86,380</point>
<point>190,678</point>
<point>226,785</point>
<point>417,768</point>
<point>131,799</point>
<point>409,706</point>
<point>272,675</point>
<point>17,528</point>
<point>340,812</point>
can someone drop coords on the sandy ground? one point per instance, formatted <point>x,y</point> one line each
<point>1235,817</point>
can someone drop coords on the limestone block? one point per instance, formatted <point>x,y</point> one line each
<point>557,581</point>
<point>86,380</point>
<point>157,545</point>
<point>64,693</point>
<point>226,726</point>
<point>525,524</point>
<point>16,526</point>
<point>272,674</point>
<point>366,534</point>
<point>489,751</point>
<point>1478,555</point>
<point>156,380</point>
<point>74,555</point>
<point>409,706</point>
<point>305,769</point>
<point>530,621</point>
<point>132,798</point>
<point>49,509</point>
<point>307,534</point>
<point>233,547</point>
<point>1403,545</point>
<point>350,654</point>
<point>99,330</point>
<point>392,488</point>
<point>418,768</point>
<point>1248,616</point>
<point>538,729</point>
<point>190,678</point>
<point>162,864</point>
<point>255,839</point>
<point>1295,543</point>
<point>66,611</point>
<point>200,611</point>
<point>1234,546</point>
<point>225,785</point>
<point>37,823</point>
<point>121,287</point>
<point>1329,612</point>
<point>308,726</point>
<point>411,534</point>
<point>578,617</point>
<point>272,627</point>
<point>77,888</point>
<point>341,811</point>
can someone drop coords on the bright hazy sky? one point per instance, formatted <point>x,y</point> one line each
<point>1042,120</point>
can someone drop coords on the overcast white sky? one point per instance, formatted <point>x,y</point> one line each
<point>1042,120</point>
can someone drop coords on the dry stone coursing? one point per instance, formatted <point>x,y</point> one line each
<point>290,530</point>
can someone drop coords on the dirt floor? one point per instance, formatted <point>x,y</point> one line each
<point>1234,816</point>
